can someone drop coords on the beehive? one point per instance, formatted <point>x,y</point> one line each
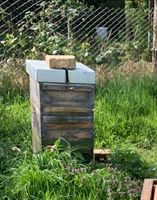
<point>62,104</point>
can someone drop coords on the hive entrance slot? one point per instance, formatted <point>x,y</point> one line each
<point>66,75</point>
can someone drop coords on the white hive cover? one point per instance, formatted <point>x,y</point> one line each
<point>39,71</point>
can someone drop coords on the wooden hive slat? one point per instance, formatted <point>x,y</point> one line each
<point>67,99</point>
<point>50,109</point>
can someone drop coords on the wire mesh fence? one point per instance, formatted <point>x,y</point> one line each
<point>102,36</point>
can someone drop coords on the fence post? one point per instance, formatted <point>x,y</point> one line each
<point>154,50</point>
<point>127,23</point>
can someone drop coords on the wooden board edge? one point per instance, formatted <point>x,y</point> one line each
<point>155,192</point>
<point>101,155</point>
<point>147,189</point>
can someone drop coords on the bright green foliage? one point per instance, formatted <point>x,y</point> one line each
<point>55,30</point>
<point>46,33</point>
<point>61,176</point>
<point>136,4</point>
<point>125,121</point>
<point>126,111</point>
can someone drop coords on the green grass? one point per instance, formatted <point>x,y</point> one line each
<point>126,112</point>
<point>125,122</point>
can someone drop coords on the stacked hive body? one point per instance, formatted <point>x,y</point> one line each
<point>61,108</point>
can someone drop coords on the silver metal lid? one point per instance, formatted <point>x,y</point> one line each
<point>39,70</point>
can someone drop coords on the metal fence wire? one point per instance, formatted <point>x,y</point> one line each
<point>99,36</point>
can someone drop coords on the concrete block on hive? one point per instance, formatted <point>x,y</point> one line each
<point>61,61</point>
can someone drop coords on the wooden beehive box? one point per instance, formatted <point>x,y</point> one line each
<point>61,109</point>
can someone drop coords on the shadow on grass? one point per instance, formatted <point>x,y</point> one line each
<point>130,162</point>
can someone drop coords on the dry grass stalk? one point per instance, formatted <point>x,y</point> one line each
<point>129,68</point>
<point>13,74</point>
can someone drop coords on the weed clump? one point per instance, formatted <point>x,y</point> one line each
<point>62,176</point>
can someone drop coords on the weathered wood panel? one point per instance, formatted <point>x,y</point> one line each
<point>36,115</point>
<point>36,120</point>
<point>149,189</point>
<point>65,112</point>
<point>67,99</point>
<point>67,87</point>
<point>34,92</point>
<point>36,141</point>
<point>64,126</point>
<point>70,110</point>
<point>155,192</point>
<point>70,134</point>
<point>36,131</point>
<point>66,119</point>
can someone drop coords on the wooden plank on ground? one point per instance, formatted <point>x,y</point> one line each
<point>155,192</point>
<point>147,189</point>
<point>100,154</point>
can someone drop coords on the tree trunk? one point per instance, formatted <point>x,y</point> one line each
<point>154,50</point>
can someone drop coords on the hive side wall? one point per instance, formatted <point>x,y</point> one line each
<point>36,115</point>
